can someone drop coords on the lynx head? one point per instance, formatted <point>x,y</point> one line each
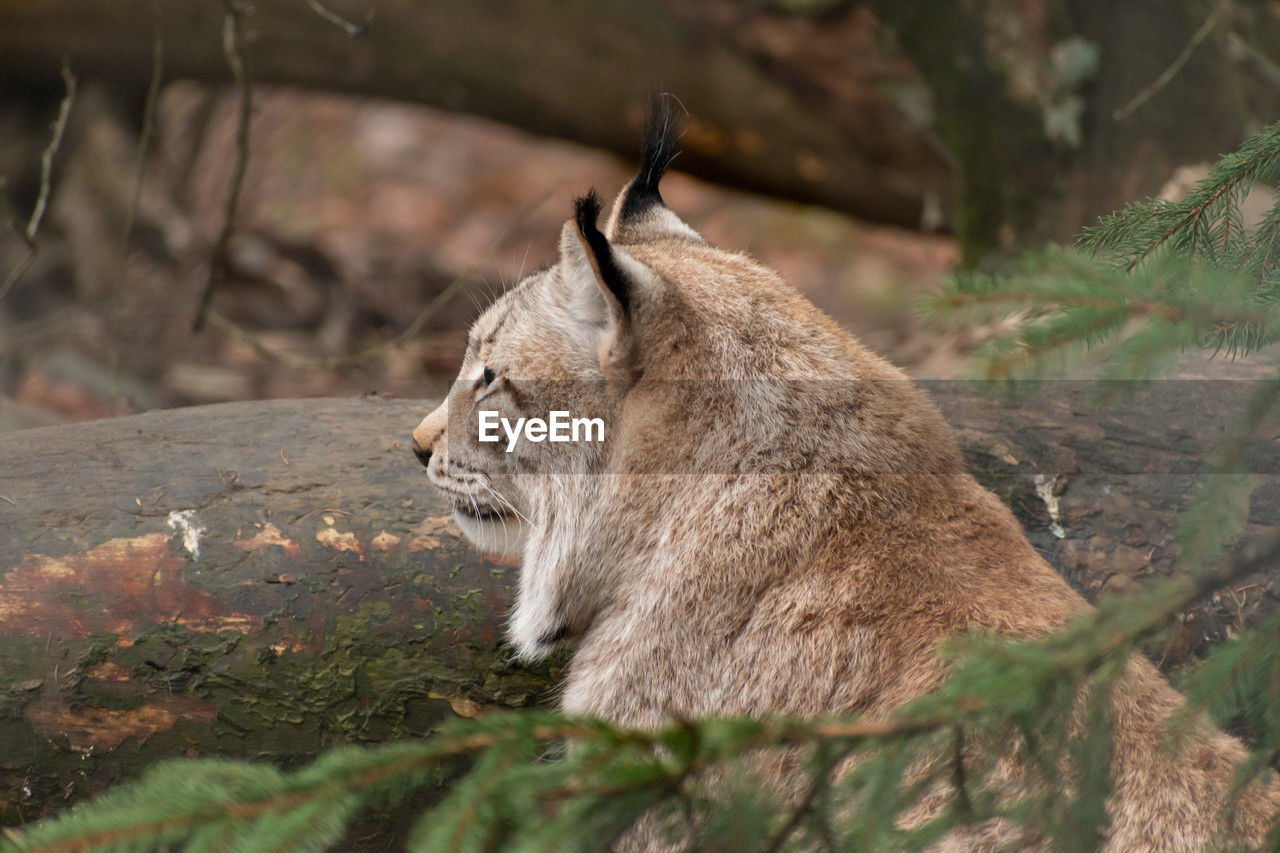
<point>678,348</point>
<point>562,339</point>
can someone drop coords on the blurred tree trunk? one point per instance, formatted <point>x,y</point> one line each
<point>579,70</point>
<point>1008,81</point>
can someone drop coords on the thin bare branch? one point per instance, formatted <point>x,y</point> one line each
<point>349,27</point>
<point>1253,60</point>
<point>1172,71</point>
<point>46,181</point>
<point>148,116</point>
<point>371,353</point>
<point>233,49</point>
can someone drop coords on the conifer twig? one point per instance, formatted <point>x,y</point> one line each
<point>818,787</point>
<point>385,764</point>
<point>797,814</point>
<point>1193,219</point>
<point>964,805</point>
<point>1136,307</point>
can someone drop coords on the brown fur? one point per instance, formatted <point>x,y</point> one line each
<point>830,540</point>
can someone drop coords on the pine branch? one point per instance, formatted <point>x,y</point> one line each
<point>179,798</point>
<point>1142,230</point>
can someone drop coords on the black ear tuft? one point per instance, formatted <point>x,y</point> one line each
<point>657,150</point>
<point>586,213</point>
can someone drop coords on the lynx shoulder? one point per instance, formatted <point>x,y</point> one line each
<point>776,520</point>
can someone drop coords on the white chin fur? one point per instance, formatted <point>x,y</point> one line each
<point>503,536</point>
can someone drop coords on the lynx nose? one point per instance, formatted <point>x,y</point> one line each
<point>423,454</point>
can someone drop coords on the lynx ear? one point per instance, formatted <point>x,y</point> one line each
<point>602,282</point>
<point>639,212</point>
<point>602,257</point>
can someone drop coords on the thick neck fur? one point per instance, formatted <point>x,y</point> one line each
<point>724,376</point>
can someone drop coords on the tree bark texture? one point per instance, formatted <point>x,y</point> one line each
<point>268,579</point>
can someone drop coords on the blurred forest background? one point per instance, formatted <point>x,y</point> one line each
<point>216,200</point>
<point>404,160</point>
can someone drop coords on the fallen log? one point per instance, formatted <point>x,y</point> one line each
<point>992,122</point>
<point>577,71</point>
<point>252,579</point>
<point>268,579</point>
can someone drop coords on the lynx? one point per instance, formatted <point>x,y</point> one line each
<point>777,520</point>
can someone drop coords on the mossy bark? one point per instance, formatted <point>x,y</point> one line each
<point>256,580</point>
